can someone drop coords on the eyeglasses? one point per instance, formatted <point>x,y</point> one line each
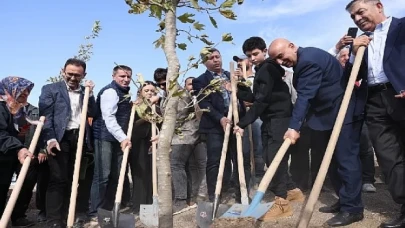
<point>71,75</point>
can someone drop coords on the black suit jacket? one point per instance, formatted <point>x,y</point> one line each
<point>210,121</point>
<point>54,104</point>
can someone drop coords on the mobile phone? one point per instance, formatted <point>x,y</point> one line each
<point>352,32</point>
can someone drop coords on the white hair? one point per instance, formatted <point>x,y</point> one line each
<point>343,49</point>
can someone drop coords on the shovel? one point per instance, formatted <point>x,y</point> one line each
<point>149,214</point>
<point>239,148</point>
<point>113,218</point>
<point>21,177</point>
<point>206,211</point>
<point>255,209</point>
<point>316,190</point>
<point>251,147</point>
<point>76,172</point>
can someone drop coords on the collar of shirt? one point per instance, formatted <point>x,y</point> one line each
<point>383,26</point>
<point>78,90</point>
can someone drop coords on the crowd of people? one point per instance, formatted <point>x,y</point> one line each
<point>301,106</point>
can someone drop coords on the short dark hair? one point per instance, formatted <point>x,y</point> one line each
<point>352,2</point>
<point>160,74</point>
<point>204,57</point>
<point>75,62</point>
<point>121,67</point>
<point>188,79</point>
<point>253,43</point>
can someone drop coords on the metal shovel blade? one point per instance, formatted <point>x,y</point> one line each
<point>106,219</point>
<point>149,214</point>
<point>238,210</point>
<point>204,213</point>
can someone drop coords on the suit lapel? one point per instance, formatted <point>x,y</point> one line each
<point>393,32</point>
<point>64,91</point>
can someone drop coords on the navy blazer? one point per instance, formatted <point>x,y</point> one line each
<point>394,55</point>
<point>54,104</point>
<point>210,121</point>
<point>320,83</point>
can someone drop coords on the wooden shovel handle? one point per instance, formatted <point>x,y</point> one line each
<point>224,151</point>
<point>21,176</point>
<point>154,156</point>
<point>118,194</point>
<point>241,171</point>
<point>76,173</point>
<point>316,190</point>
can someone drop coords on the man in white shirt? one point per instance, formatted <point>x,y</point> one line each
<point>383,72</point>
<point>110,127</point>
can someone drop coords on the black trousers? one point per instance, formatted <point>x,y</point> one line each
<point>60,180</point>
<point>345,168</point>
<point>8,164</point>
<point>272,138</point>
<point>300,164</point>
<point>367,157</point>
<point>214,144</point>
<point>386,125</point>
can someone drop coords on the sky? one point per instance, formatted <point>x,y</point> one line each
<point>37,37</point>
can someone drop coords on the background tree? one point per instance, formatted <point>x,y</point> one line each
<point>166,11</point>
<point>85,50</point>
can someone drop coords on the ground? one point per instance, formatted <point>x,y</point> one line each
<point>378,207</point>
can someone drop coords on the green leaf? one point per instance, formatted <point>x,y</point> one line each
<point>155,11</point>
<point>240,2</point>
<point>198,26</point>
<point>211,2</point>
<point>159,42</point>
<point>186,18</point>
<point>182,46</point>
<point>227,37</point>
<point>138,8</point>
<point>194,3</point>
<point>128,2</point>
<point>213,22</point>
<point>162,26</point>
<point>227,4</point>
<point>207,42</point>
<point>228,14</point>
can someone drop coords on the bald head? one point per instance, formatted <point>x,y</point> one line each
<point>284,52</point>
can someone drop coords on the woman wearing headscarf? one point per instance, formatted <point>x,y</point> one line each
<point>14,92</point>
<point>140,158</point>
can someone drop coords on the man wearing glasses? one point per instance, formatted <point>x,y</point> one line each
<point>61,104</point>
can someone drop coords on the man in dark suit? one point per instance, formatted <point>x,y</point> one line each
<point>320,85</point>
<point>213,122</point>
<point>61,104</point>
<point>382,69</point>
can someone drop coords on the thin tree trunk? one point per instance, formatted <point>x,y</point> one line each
<point>169,122</point>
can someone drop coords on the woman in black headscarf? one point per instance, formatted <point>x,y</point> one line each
<point>14,92</point>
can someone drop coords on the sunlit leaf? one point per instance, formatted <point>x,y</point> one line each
<point>194,3</point>
<point>159,42</point>
<point>186,18</point>
<point>191,58</point>
<point>207,42</point>
<point>211,2</point>
<point>179,92</point>
<point>138,8</point>
<point>227,37</point>
<point>198,26</point>
<point>228,14</point>
<point>213,22</point>
<point>227,4</point>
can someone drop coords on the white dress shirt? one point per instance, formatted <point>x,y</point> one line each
<point>109,105</point>
<point>75,107</point>
<point>376,50</point>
